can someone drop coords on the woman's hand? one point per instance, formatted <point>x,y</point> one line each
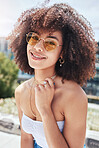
<point>44,95</point>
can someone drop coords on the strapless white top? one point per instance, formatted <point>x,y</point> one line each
<point>36,129</point>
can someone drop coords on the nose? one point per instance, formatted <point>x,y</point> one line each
<point>39,46</point>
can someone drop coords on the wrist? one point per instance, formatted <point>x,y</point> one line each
<point>46,112</point>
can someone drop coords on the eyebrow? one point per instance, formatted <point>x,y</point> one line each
<point>47,36</point>
<point>36,32</point>
<point>53,37</point>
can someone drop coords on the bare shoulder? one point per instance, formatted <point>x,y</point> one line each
<point>22,89</point>
<point>74,96</point>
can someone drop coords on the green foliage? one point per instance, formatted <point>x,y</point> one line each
<point>8,76</point>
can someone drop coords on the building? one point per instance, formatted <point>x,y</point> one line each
<point>93,84</point>
<point>3,45</point>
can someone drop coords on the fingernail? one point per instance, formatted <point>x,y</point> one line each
<point>45,82</point>
<point>54,83</point>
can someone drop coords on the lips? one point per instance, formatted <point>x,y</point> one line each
<point>37,56</point>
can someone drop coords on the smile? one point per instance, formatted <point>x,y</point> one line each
<point>36,56</point>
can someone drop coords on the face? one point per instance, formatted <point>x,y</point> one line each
<point>43,50</point>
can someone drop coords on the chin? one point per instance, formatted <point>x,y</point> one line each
<point>34,66</point>
<point>31,65</point>
<point>40,65</point>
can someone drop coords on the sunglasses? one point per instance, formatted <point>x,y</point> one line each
<point>33,38</point>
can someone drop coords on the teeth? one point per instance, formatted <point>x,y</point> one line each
<point>37,56</point>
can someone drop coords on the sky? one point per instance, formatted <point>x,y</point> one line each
<point>10,10</point>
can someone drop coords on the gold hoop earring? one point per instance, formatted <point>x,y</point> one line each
<point>61,61</point>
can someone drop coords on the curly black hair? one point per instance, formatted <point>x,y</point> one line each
<point>79,46</point>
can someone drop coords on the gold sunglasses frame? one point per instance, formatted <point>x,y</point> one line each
<point>39,40</point>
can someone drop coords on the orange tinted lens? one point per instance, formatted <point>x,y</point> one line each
<point>50,45</point>
<point>32,38</point>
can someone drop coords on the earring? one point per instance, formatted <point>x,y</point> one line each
<point>61,61</point>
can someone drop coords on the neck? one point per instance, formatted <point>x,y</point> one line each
<point>41,75</point>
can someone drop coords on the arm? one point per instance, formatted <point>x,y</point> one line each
<point>52,133</point>
<point>75,111</point>
<point>75,116</point>
<point>74,126</point>
<point>26,139</point>
<point>43,99</point>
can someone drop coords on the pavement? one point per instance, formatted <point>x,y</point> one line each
<point>10,132</point>
<point>8,140</point>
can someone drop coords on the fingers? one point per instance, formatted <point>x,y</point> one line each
<point>42,86</point>
<point>48,83</point>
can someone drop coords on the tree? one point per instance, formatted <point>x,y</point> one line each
<point>8,76</point>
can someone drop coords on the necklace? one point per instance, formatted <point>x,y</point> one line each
<point>36,82</point>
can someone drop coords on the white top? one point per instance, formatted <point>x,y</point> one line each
<point>36,129</point>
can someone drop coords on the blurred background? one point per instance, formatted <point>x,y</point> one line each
<point>11,76</point>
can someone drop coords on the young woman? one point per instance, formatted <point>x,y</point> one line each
<point>55,44</point>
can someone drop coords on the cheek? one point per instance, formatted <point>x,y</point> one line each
<point>57,55</point>
<point>28,58</point>
<point>54,58</point>
<point>27,52</point>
